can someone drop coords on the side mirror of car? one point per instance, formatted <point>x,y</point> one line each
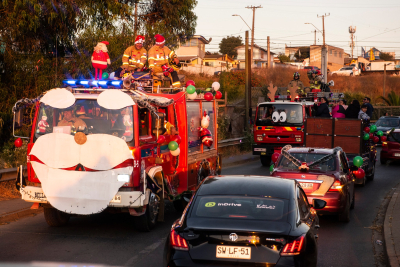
<point>318,203</point>
<point>187,196</point>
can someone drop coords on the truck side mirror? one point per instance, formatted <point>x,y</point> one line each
<point>18,121</point>
<point>157,122</point>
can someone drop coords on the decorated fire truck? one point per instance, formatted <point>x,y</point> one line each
<point>100,148</point>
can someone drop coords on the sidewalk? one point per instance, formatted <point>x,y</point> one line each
<point>392,229</point>
<point>13,209</point>
<point>239,159</point>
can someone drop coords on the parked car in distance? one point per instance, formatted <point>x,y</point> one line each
<point>387,123</point>
<point>311,68</point>
<point>217,73</point>
<point>345,71</point>
<point>245,221</point>
<point>391,147</point>
<point>328,177</point>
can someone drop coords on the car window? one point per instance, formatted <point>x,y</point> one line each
<point>387,122</point>
<point>303,205</point>
<point>240,207</point>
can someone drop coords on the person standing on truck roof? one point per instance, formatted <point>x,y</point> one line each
<point>353,110</point>
<point>370,108</point>
<point>323,109</point>
<point>159,60</point>
<point>134,58</point>
<point>362,115</point>
<point>297,84</point>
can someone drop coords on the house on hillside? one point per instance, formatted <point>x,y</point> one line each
<point>260,56</point>
<point>218,60</point>
<point>193,51</point>
<point>366,53</point>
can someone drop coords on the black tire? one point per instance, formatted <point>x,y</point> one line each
<point>148,221</point>
<point>353,201</point>
<point>55,218</point>
<point>265,160</point>
<point>344,216</point>
<point>372,175</point>
<point>310,257</point>
<point>383,161</point>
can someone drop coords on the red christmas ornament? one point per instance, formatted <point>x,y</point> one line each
<point>376,139</point>
<point>275,157</point>
<point>208,96</point>
<point>190,82</point>
<point>206,138</point>
<point>218,95</point>
<point>177,139</point>
<point>371,136</point>
<point>18,142</point>
<point>161,139</point>
<point>359,174</point>
<point>367,129</point>
<point>383,138</point>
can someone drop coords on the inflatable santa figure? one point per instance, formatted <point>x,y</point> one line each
<point>205,120</point>
<point>100,59</point>
<point>206,137</point>
<point>43,124</point>
<point>128,124</point>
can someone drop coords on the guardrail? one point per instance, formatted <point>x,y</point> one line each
<point>11,173</point>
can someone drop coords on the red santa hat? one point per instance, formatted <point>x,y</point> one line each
<point>139,39</point>
<point>105,42</point>
<point>159,39</point>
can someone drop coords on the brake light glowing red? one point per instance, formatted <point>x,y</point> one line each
<point>294,247</point>
<point>178,242</point>
<point>337,186</point>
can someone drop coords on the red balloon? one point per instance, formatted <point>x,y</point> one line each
<point>275,157</point>
<point>359,174</point>
<point>208,96</point>
<point>190,82</point>
<point>383,138</point>
<point>218,95</point>
<point>376,139</point>
<point>208,143</point>
<point>367,129</point>
<point>18,142</point>
<point>177,139</point>
<point>161,139</point>
<point>371,136</point>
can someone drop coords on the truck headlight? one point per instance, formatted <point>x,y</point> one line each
<point>259,138</point>
<point>298,139</point>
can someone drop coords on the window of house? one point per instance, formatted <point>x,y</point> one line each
<point>330,52</point>
<point>193,42</point>
<point>144,122</point>
<point>376,53</point>
<point>335,53</point>
<point>340,54</point>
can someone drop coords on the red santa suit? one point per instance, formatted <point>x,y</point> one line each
<point>100,58</point>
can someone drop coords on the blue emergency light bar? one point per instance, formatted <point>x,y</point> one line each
<point>94,83</point>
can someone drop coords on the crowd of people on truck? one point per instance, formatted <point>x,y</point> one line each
<point>341,110</point>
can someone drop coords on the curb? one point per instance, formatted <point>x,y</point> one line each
<point>387,229</point>
<point>18,214</point>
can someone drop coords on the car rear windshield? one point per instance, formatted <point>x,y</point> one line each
<point>240,207</point>
<point>279,115</point>
<point>324,166</point>
<point>386,122</point>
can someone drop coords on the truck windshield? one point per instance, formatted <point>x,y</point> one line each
<point>85,116</point>
<point>280,115</point>
<point>325,166</point>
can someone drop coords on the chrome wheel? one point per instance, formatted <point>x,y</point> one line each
<point>153,208</point>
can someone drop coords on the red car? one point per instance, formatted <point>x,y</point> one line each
<point>391,147</point>
<point>324,174</point>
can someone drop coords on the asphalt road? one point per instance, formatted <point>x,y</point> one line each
<point>112,239</point>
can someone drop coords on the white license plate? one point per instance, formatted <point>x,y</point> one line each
<point>397,154</point>
<point>260,149</point>
<point>306,185</point>
<point>231,252</point>
<point>116,199</point>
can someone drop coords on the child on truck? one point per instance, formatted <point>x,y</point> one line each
<point>362,115</point>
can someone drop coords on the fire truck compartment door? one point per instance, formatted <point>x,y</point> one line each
<point>58,98</point>
<point>114,99</point>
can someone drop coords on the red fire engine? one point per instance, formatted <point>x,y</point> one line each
<point>96,149</point>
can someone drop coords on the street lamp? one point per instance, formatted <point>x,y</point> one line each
<point>252,39</point>
<point>313,25</point>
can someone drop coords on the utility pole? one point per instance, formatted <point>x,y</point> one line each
<point>352,31</point>
<point>315,37</point>
<point>324,50</point>
<point>247,81</point>
<point>269,52</point>
<point>135,26</point>
<point>252,31</point>
<point>384,79</point>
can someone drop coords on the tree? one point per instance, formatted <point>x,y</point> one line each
<point>228,45</point>
<point>283,58</point>
<point>392,99</point>
<point>386,56</point>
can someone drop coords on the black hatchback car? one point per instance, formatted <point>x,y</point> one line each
<point>245,221</point>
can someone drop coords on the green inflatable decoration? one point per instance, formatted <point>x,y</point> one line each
<point>208,90</point>
<point>358,161</point>
<point>379,133</point>
<point>190,89</point>
<point>366,136</point>
<point>271,168</point>
<point>104,75</point>
<point>173,145</point>
<point>372,128</point>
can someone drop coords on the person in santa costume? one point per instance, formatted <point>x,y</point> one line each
<point>134,58</point>
<point>162,59</point>
<point>100,59</point>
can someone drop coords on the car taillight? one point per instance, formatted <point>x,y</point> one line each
<point>336,186</point>
<point>294,247</point>
<point>178,242</point>
<point>384,144</point>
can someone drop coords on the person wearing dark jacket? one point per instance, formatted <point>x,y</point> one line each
<point>353,110</point>
<point>323,109</point>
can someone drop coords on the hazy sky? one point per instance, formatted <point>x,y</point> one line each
<point>377,22</point>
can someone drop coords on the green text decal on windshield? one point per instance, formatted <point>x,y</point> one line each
<point>210,204</point>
